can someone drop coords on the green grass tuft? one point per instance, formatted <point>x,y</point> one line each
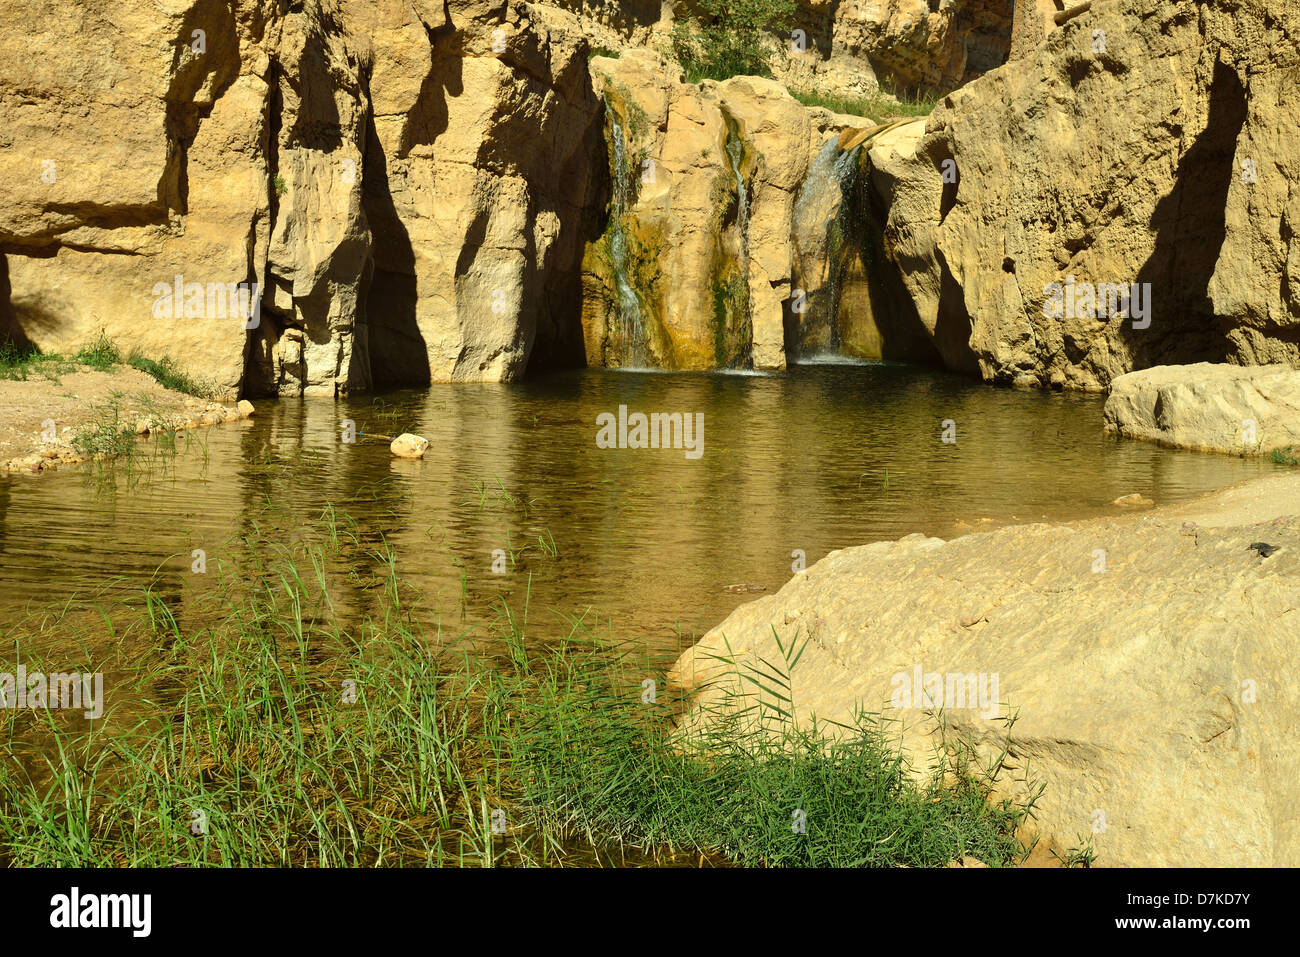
<point>167,374</point>
<point>880,106</point>
<point>101,355</point>
<point>17,363</point>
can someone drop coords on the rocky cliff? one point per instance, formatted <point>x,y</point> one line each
<point>318,196</point>
<point>299,198</point>
<point>327,195</point>
<point>1118,197</point>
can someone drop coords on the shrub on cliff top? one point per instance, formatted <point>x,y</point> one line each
<point>726,37</point>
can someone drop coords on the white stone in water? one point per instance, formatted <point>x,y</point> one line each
<point>409,446</point>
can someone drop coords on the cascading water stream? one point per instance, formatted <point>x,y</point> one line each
<point>735,149</point>
<point>823,207</point>
<point>631,324</point>
<point>845,172</point>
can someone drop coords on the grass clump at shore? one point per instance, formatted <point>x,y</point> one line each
<point>879,106</point>
<point>102,355</point>
<point>281,722</point>
<point>169,375</point>
<point>18,363</point>
<point>1287,456</point>
<point>107,435</point>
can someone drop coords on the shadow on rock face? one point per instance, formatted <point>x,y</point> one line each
<point>1190,225</point>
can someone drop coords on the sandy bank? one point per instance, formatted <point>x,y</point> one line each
<point>43,417</point>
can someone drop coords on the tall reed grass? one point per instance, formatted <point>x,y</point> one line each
<point>276,718</point>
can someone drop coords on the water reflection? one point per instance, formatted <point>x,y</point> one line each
<point>817,459</point>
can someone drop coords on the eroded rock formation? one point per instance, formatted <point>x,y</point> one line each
<point>400,189</point>
<point>328,195</point>
<point>694,268</point>
<point>337,194</point>
<point>1142,142</point>
<point>912,46</point>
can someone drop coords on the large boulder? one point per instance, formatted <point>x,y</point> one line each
<point>1212,408</point>
<point>1148,663</point>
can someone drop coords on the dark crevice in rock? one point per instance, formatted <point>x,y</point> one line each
<point>260,377</point>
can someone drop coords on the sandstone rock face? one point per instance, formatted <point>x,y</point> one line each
<point>130,158</point>
<point>694,269</point>
<point>256,149</point>
<point>907,46</point>
<point>1185,192</point>
<point>910,45</point>
<point>1161,727</point>
<point>906,211</point>
<point>485,138</point>
<point>735,235</point>
<point>1243,410</point>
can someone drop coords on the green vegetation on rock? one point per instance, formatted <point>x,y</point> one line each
<point>729,38</point>
<point>101,355</point>
<point>879,106</point>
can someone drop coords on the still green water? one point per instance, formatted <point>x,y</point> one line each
<point>645,541</point>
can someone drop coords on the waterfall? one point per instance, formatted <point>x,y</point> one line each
<point>822,214</point>
<point>630,322</point>
<point>736,153</point>
<point>846,172</point>
<point>735,149</point>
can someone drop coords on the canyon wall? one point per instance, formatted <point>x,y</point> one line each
<point>1143,142</point>
<point>316,197</point>
<point>321,196</point>
<point>299,199</point>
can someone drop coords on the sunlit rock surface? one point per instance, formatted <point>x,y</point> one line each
<point>1143,142</point>
<point>1244,410</point>
<point>1148,661</point>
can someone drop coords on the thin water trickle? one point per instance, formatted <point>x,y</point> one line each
<point>735,149</point>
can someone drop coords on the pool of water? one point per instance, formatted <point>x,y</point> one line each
<point>648,540</point>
